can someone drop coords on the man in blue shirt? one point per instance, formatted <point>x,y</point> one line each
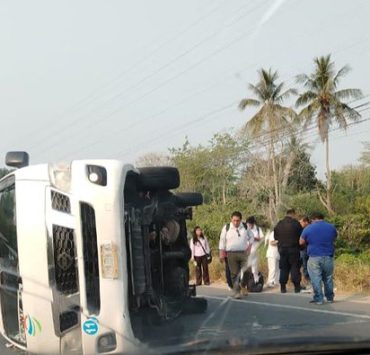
<point>319,237</point>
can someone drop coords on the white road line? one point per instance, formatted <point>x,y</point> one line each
<point>276,305</point>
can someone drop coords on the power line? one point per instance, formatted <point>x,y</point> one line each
<point>150,117</point>
<point>181,127</point>
<point>180,130</point>
<point>101,120</point>
<point>94,93</point>
<point>309,133</point>
<point>148,93</point>
<point>163,67</point>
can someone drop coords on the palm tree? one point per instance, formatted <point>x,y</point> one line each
<point>270,120</point>
<point>325,103</point>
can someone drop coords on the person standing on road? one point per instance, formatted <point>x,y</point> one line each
<point>235,242</point>
<point>305,221</point>
<point>273,257</point>
<point>199,249</point>
<point>287,233</point>
<point>257,238</point>
<point>319,237</point>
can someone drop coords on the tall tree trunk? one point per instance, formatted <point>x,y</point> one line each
<point>274,176</point>
<point>224,193</point>
<point>287,168</point>
<point>328,177</point>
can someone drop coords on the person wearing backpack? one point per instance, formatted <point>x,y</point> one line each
<point>257,238</point>
<point>200,252</point>
<point>235,243</point>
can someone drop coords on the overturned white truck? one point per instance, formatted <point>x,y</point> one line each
<point>90,250</point>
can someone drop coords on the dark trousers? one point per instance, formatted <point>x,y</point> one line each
<point>289,264</point>
<point>201,270</point>
<point>304,259</point>
<point>229,281</point>
<point>236,260</point>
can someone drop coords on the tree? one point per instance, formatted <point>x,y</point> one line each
<point>226,156</point>
<point>365,155</point>
<point>272,120</point>
<point>211,169</point>
<point>302,176</point>
<point>324,102</point>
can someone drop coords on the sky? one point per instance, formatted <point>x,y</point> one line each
<point>119,79</point>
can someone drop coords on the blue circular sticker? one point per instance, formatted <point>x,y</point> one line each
<point>90,326</point>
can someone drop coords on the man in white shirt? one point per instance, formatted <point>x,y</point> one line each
<point>235,242</point>
<point>257,238</point>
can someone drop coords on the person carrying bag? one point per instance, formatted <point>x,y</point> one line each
<point>200,255</point>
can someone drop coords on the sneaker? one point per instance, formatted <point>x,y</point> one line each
<point>297,289</point>
<point>283,289</point>
<point>330,301</point>
<point>307,290</point>
<point>237,296</point>
<point>316,302</point>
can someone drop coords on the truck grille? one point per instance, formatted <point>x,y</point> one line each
<point>60,202</point>
<point>64,260</point>
<point>90,254</point>
<point>67,320</point>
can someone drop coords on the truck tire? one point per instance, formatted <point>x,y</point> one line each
<point>187,199</point>
<point>159,178</point>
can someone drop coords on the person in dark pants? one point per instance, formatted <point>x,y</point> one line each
<point>235,242</point>
<point>287,232</point>
<point>199,249</point>
<point>229,281</point>
<point>305,221</point>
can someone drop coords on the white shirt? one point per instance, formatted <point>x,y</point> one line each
<point>196,249</point>
<point>235,239</point>
<point>257,233</point>
<point>272,250</point>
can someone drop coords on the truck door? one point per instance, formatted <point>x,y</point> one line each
<point>10,281</point>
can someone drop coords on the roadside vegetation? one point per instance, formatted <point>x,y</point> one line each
<point>264,167</point>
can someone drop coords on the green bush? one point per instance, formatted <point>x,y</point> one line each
<point>212,217</point>
<point>353,232</point>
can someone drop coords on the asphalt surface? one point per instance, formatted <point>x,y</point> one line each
<point>267,318</point>
<point>258,319</point>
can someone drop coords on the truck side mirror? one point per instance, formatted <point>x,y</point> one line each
<point>17,159</point>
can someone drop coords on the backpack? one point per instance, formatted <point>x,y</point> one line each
<point>228,226</point>
<point>248,281</point>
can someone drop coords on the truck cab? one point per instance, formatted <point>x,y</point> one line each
<point>89,250</point>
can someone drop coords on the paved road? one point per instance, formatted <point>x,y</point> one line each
<point>266,317</point>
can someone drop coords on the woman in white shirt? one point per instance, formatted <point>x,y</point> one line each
<point>273,258</point>
<point>257,239</point>
<point>199,249</point>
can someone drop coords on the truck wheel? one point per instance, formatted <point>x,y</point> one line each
<point>176,282</point>
<point>187,199</point>
<point>194,305</point>
<point>159,178</point>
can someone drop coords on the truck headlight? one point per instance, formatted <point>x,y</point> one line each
<point>97,175</point>
<point>60,175</point>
